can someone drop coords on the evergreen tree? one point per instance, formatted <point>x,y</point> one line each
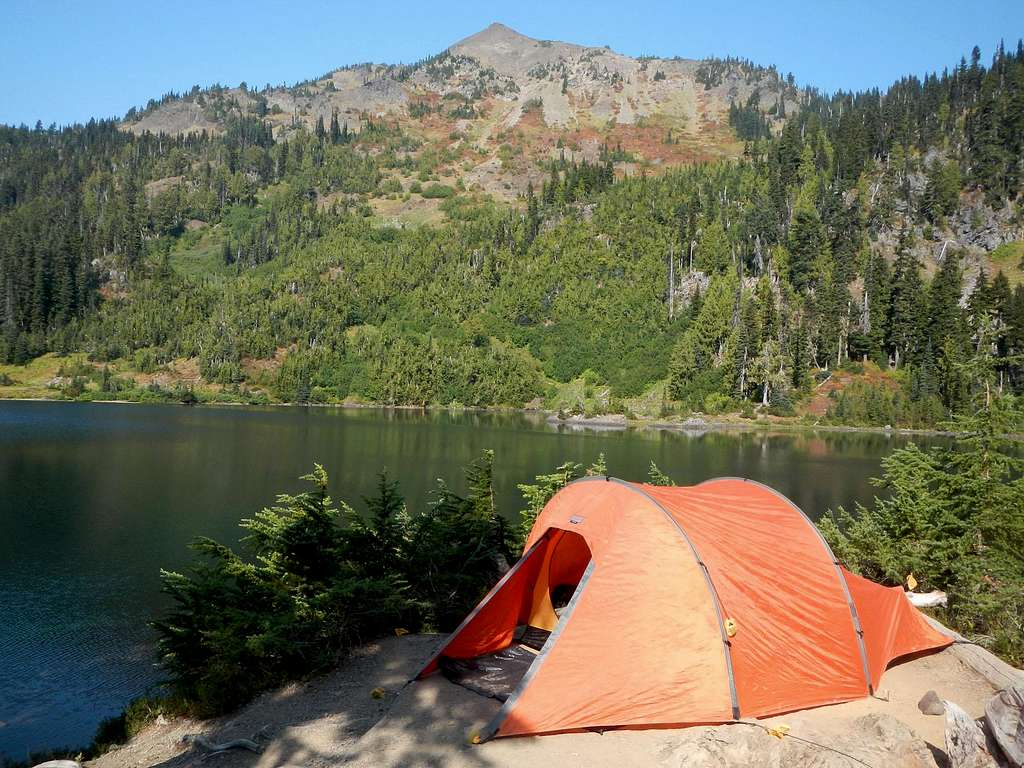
<point>806,244</point>
<point>335,128</point>
<point>907,311</point>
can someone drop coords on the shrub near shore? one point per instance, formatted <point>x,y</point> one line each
<point>954,520</point>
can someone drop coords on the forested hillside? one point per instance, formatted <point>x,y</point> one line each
<point>876,233</point>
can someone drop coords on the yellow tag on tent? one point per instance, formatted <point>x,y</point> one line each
<point>730,627</point>
<point>911,582</point>
<point>779,731</point>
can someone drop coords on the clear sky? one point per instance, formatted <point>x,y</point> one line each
<point>64,61</point>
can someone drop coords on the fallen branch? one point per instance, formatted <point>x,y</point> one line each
<point>214,748</point>
<point>931,599</point>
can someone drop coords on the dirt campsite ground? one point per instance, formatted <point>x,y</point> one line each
<point>338,720</point>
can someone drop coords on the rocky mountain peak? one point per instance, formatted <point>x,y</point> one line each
<point>507,105</point>
<point>506,51</point>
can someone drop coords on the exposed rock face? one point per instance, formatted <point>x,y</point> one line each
<point>965,740</point>
<point>511,53</point>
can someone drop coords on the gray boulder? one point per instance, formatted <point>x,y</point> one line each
<point>1004,721</point>
<point>931,704</point>
<point>966,745</point>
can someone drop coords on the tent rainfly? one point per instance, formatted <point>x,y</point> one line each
<point>689,605</point>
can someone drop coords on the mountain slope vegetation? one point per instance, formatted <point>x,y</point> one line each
<point>278,255</point>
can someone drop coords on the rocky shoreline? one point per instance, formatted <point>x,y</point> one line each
<point>694,424</point>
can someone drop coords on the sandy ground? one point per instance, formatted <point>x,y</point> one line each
<point>336,720</point>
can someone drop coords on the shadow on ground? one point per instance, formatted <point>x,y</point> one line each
<point>335,720</point>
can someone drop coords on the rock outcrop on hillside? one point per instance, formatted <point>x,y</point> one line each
<point>566,99</point>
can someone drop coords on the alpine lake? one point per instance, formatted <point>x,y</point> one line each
<point>96,498</point>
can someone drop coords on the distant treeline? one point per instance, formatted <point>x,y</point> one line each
<point>737,282</point>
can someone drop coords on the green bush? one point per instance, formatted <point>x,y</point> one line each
<point>782,405</point>
<point>717,403</point>
<point>185,395</point>
<point>69,369</point>
<point>314,578</point>
<point>390,186</point>
<point>438,191</point>
<point>952,519</point>
<point>145,360</point>
<point>75,388</point>
<point>544,487</point>
<point>869,404</point>
<point>852,366</point>
<point>137,715</point>
<point>698,387</point>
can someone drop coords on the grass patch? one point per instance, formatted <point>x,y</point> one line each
<point>587,395</point>
<point>78,379</point>
<point>1008,258</point>
<point>200,254</point>
<point>30,380</point>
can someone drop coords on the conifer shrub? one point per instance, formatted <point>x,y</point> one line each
<point>782,405</point>
<point>312,578</point>
<point>954,519</point>
<point>876,404</point>
<point>717,403</point>
<point>438,191</point>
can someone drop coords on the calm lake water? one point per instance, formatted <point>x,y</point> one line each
<point>96,498</point>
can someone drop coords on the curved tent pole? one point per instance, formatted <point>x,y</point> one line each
<point>857,628</point>
<point>488,732</point>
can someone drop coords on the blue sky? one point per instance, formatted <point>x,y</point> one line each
<point>68,61</point>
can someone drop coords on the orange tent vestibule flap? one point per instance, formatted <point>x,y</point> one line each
<point>892,626</point>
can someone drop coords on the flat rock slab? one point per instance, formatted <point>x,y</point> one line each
<point>432,723</point>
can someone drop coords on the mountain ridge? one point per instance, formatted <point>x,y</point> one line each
<point>556,98</point>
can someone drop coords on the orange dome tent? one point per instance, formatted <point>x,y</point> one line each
<point>698,604</point>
